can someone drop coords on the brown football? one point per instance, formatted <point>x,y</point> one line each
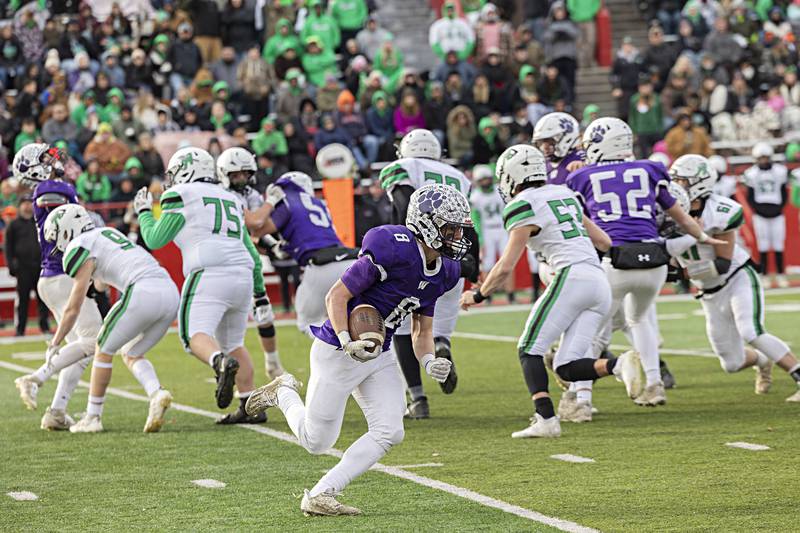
<point>366,324</point>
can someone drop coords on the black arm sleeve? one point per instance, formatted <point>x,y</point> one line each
<point>470,265</point>
<point>401,195</point>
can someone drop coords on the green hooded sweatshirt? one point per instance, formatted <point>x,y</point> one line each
<point>111,111</point>
<point>273,142</point>
<point>93,187</point>
<point>23,139</point>
<point>133,162</point>
<point>583,10</point>
<point>391,67</point>
<point>487,122</point>
<point>317,65</point>
<point>324,27</point>
<point>278,44</point>
<point>349,14</point>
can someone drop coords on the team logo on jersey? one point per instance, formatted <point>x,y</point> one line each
<point>422,285</point>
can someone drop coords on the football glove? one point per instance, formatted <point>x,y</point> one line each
<point>357,349</point>
<point>437,367</point>
<point>274,246</point>
<point>274,194</point>
<point>143,201</point>
<point>262,311</point>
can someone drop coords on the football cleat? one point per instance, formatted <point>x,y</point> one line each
<point>159,403</point>
<point>548,363</point>
<point>325,504</point>
<point>629,371</point>
<point>267,395</point>
<point>418,409</point>
<point>241,417</point>
<point>666,376</point>
<point>763,378</point>
<point>567,404</point>
<point>87,424</point>
<point>794,398</point>
<point>652,395</point>
<point>225,369</point>
<point>56,420</point>
<point>449,384</point>
<point>28,390</point>
<point>582,412</point>
<point>540,428</point>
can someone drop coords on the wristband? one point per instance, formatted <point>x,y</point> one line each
<point>344,338</point>
<point>427,358</point>
<point>477,297</point>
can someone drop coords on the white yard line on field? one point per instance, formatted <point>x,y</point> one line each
<point>23,496</point>
<point>569,458</point>
<point>421,465</point>
<point>748,446</point>
<point>461,492</point>
<point>209,483</point>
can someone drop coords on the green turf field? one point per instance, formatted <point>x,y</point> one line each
<point>664,469</point>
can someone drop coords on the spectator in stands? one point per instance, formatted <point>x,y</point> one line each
<point>225,69</point>
<point>561,45</point>
<point>687,138</point>
<point>109,152</point>
<point>289,95</point>
<point>486,145</point>
<point>380,119</point>
<point>165,122</point>
<point>12,60</point>
<point>674,97</point>
<point>221,121</point>
<point>298,140</point>
<point>328,94</point>
<point>452,63</point>
<point>521,129</point>
<point>527,85</point>
<point>790,89</point>
<point>408,114</point>
<point>536,17</point>
<point>93,186</point>
<point>73,41</point>
<point>350,16</point>
<point>451,33</point>
<point>22,255</point>
<point>371,84</point>
<point>126,128</point>
<point>60,127</point>
<point>269,139</point>
<point>8,193</point>
<point>318,61</point>
<point>283,39</point>
<point>491,32</point>
<point>112,67</point>
<point>744,21</point>
<point>722,45</point>
<point>185,56</point>
<point>329,133</point>
<point>660,55</point>
<point>206,21</point>
<point>372,37</point>
<point>256,79</point>
<point>553,88</point>
<point>372,208</point>
<point>322,26</point>
<point>123,194</point>
<point>460,133</point>
<point>354,124</point>
<point>530,53</point>
<point>134,172</point>
<point>583,13</point>
<point>625,74</point>
<point>669,15</point>
<point>590,113</point>
<point>645,117</point>
<point>238,26</point>
<point>28,133</point>
<point>389,62</point>
<point>479,98</point>
<point>435,110</point>
<point>288,59</point>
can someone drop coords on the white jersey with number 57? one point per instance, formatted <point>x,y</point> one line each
<point>562,238</point>
<point>213,232</point>
<point>418,172</point>
<point>118,262</point>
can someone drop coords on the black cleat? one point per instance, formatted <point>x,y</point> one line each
<point>449,385</point>
<point>225,369</point>
<point>418,409</point>
<point>240,417</point>
<point>666,376</point>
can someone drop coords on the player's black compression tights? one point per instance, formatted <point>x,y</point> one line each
<point>408,361</point>
<point>578,370</point>
<point>779,262</point>
<point>534,372</point>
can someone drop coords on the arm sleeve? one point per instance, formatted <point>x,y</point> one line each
<point>258,276</point>
<point>157,234</point>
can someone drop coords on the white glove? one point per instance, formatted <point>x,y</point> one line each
<point>436,367</point>
<point>51,352</point>
<point>143,201</point>
<point>262,311</point>
<point>274,194</point>
<point>357,349</point>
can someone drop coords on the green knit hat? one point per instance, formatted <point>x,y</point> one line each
<point>133,162</point>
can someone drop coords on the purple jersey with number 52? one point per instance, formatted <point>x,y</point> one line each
<point>621,198</point>
<point>391,276</point>
<point>304,223</point>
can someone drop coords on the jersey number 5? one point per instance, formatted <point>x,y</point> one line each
<point>443,180</point>
<point>561,209</point>
<point>234,222</point>
<point>635,192</point>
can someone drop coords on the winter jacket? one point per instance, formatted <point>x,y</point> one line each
<point>278,44</point>
<point>404,123</point>
<point>560,39</point>
<point>380,124</point>
<point>325,137</point>
<point>681,142</point>
<point>238,27</point>
<point>205,17</point>
<point>583,10</point>
<point>152,164</point>
<point>53,131</point>
<point>93,187</point>
<point>317,65</point>
<point>325,27</point>
<point>111,155</point>
<point>451,34</point>
<point>273,142</point>
<point>349,14</point>
<point>369,42</point>
<point>650,121</point>
<point>185,58</point>
<point>11,52</point>
<point>459,139</point>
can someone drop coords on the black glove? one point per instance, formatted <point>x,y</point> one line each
<point>92,292</point>
<point>469,268</point>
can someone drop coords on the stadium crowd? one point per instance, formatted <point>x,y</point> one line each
<point>104,81</point>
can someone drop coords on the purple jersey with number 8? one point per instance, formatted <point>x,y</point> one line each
<point>622,197</point>
<point>391,276</point>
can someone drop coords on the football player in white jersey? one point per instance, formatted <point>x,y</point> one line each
<point>548,219</point>
<point>147,306</point>
<point>221,266</point>
<point>767,195</point>
<point>418,165</point>
<point>487,215</point>
<point>730,289</point>
<point>236,170</point>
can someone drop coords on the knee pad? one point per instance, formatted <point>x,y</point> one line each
<point>578,370</point>
<point>266,332</point>
<point>534,371</point>
<point>770,345</point>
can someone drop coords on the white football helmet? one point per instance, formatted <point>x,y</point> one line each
<point>719,163</point>
<point>762,150</point>
<point>236,160</point>
<point>482,172</point>
<point>189,165</point>
<point>66,222</point>
<point>666,226</point>
<point>608,139</point>
<point>438,216</point>
<point>420,143</point>
<point>36,162</point>
<point>518,165</point>
<point>561,128</point>
<point>660,157</point>
<point>697,173</point>
<point>301,179</point>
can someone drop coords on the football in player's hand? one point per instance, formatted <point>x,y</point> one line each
<point>366,324</point>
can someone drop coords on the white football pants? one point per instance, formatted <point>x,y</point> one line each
<point>770,233</point>
<point>494,242</point>
<point>309,301</point>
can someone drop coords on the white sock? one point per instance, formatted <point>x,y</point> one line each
<point>272,357</point>
<point>290,403</point>
<point>645,340</point>
<point>244,395</point>
<point>145,374</point>
<point>357,459</point>
<point>68,379</point>
<point>68,355</point>
<point>583,390</point>
<point>95,405</point>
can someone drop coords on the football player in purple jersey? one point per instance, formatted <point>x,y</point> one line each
<point>402,270</point>
<point>557,135</point>
<point>41,168</point>
<point>622,196</point>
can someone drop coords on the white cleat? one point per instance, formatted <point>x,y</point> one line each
<point>56,420</point>
<point>581,413</point>
<point>87,424</point>
<point>794,398</point>
<point>28,390</point>
<point>652,395</point>
<point>628,370</point>
<point>325,504</point>
<point>783,283</point>
<point>159,403</point>
<point>267,396</point>
<point>274,369</point>
<point>567,404</point>
<point>763,378</point>
<point>540,428</point>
